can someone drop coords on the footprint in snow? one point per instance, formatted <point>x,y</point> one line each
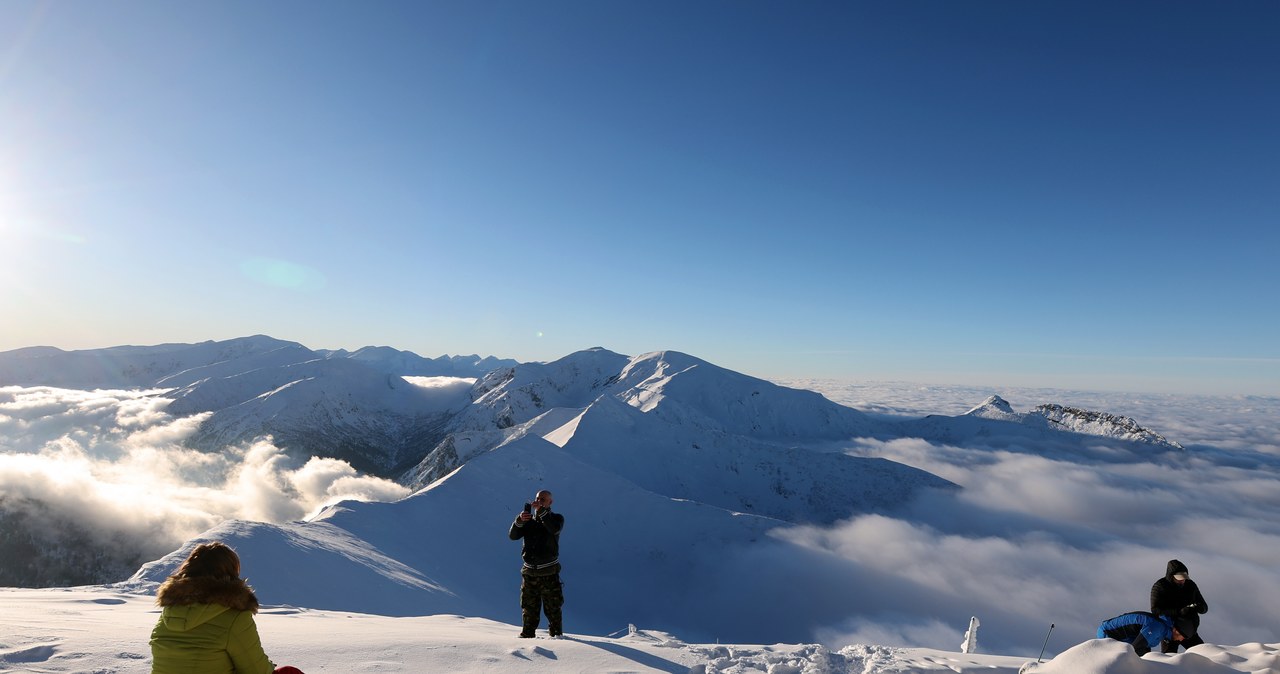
<point>38,653</point>
<point>525,653</point>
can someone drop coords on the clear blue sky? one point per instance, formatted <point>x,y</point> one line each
<point>1074,194</point>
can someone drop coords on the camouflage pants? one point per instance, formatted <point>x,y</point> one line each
<point>538,594</point>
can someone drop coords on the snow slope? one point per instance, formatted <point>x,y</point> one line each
<point>99,629</point>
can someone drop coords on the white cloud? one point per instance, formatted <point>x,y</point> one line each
<point>113,461</point>
<point>1064,534</point>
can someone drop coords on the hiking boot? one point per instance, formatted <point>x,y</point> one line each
<point>526,635</point>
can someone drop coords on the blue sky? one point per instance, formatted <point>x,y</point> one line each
<point>1062,194</point>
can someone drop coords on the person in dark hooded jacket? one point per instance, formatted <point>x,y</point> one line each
<point>1178,597</point>
<point>540,586</point>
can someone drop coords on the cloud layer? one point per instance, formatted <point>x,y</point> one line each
<point>1053,534</point>
<point>113,461</point>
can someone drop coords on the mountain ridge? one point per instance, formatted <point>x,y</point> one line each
<point>663,423</point>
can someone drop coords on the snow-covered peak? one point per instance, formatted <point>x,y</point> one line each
<point>992,404</point>
<point>510,396</point>
<point>996,421</point>
<point>682,393</point>
<point>1101,423</point>
<point>689,390</point>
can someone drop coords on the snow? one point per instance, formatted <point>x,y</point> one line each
<point>694,508</point>
<point>100,629</point>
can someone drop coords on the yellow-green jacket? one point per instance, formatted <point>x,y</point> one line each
<point>207,627</point>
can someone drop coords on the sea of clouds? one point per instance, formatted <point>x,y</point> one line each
<point>1060,533</point>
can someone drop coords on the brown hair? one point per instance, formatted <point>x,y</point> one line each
<point>215,560</point>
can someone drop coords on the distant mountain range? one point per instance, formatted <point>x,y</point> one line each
<point>995,423</point>
<point>666,462</point>
<point>356,406</point>
<point>173,365</point>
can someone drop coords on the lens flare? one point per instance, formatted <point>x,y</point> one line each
<point>282,274</point>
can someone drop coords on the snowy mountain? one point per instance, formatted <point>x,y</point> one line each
<point>336,408</point>
<point>672,400</point>
<point>665,422</point>
<point>127,366</point>
<point>698,500</point>
<point>407,363</point>
<point>995,423</point>
<point>170,365</point>
<point>1102,423</point>
<point>355,406</point>
<point>359,407</point>
<point>667,464</point>
<point>445,550</point>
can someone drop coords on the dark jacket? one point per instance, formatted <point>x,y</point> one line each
<point>1183,603</point>
<point>1144,631</point>
<point>541,549</point>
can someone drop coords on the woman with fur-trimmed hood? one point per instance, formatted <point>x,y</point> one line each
<point>206,625</point>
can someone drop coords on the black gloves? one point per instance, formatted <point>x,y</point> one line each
<point>1188,610</point>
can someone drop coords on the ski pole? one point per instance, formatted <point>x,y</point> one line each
<point>1046,642</point>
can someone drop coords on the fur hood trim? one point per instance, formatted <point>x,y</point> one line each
<point>230,592</point>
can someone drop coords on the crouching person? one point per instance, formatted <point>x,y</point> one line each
<point>206,625</point>
<point>1140,629</point>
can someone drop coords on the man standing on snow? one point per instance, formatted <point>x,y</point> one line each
<point>1177,597</point>
<point>540,587</point>
<point>1140,629</point>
